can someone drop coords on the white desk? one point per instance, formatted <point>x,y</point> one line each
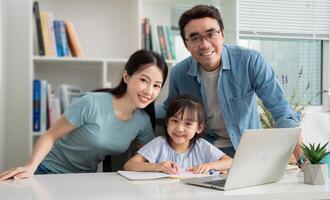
<point>112,186</point>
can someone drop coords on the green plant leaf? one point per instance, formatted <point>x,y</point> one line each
<point>314,153</point>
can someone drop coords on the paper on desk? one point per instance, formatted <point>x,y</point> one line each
<point>184,174</point>
<point>135,176</point>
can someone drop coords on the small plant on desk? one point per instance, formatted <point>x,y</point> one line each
<point>315,172</point>
<point>315,153</point>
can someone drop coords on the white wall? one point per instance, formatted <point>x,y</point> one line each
<point>16,51</point>
<point>316,125</point>
<point>2,98</point>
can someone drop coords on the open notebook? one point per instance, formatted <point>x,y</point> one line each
<point>135,176</point>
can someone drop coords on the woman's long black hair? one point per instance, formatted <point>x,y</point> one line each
<point>137,62</point>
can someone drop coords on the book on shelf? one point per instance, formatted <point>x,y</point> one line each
<point>67,94</point>
<point>36,104</point>
<point>143,35</point>
<point>181,52</point>
<point>48,34</point>
<point>50,109</point>
<point>63,40</point>
<point>43,106</point>
<point>40,107</point>
<point>146,42</point>
<point>158,38</point>
<point>47,106</point>
<point>57,33</point>
<point>55,37</point>
<point>167,43</point>
<point>55,105</point>
<point>45,33</point>
<point>169,39</point>
<point>51,32</point>
<point>74,42</point>
<point>154,39</point>
<point>162,42</point>
<point>40,42</point>
<point>147,33</point>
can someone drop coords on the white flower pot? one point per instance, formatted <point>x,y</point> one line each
<point>326,160</point>
<point>315,174</point>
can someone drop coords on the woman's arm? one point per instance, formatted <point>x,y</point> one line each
<point>138,163</point>
<point>40,150</point>
<point>222,164</point>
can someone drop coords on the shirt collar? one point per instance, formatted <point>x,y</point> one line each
<point>225,58</point>
<point>193,67</point>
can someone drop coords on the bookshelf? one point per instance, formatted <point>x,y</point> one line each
<point>108,30</point>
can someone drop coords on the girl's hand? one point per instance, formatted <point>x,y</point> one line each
<point>18,173</point>
<point>168,167</point>
<point>200,169</point>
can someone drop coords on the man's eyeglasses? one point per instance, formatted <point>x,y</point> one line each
<point>197,39</point>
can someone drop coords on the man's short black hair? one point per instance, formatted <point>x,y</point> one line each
<point>197,12</point>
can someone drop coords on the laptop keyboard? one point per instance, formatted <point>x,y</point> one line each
<point>217,182</point>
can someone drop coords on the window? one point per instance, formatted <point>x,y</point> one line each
<point>296,62</point>
<point>291,35</point>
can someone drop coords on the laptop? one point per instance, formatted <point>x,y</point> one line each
<point>261,157</point>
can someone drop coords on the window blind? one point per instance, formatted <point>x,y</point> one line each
<point>308,19</point>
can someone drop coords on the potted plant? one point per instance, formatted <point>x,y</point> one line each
<point>315,172</point>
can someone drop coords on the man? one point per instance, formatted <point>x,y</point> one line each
<point>227,79</point>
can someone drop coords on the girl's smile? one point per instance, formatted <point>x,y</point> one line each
<point>182,128</point>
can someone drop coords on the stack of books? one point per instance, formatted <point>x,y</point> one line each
<point>158,38</point>
<point>48,105</point>
<point>55,38</point>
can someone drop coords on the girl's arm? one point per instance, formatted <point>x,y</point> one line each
<point>222,164</point>
<point>40,150</point>
<point>139,164</point>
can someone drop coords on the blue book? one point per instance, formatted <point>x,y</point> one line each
<point>58,38</point>
<point>64,39</point>
<point>36,105</point>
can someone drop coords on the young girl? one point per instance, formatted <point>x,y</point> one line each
<point>182,148</point>
<point>100,123</point>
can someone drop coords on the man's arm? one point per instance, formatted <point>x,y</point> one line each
<point>268,89</point>
<point>266,86</point>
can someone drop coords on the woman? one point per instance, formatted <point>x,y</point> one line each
<point>100,123</point>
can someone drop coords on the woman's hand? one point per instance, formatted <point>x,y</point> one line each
<point>168,167</point>
<point>18,173</point>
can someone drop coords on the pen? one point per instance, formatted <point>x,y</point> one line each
<point>173,166</point>
<point>211,172</point>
